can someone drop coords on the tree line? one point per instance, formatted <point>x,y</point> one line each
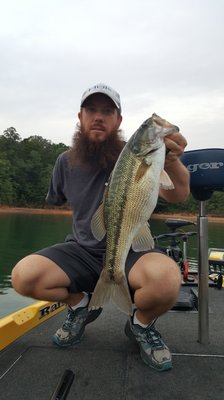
<point>26,166</point>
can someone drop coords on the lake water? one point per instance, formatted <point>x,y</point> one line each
<point>22,234</point>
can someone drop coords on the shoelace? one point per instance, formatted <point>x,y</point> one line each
<point>71,317</point>
<point>153,337</point>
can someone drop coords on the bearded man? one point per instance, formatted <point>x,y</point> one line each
<point>68,272</point>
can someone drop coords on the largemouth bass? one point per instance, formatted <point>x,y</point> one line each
<point>128,203</point>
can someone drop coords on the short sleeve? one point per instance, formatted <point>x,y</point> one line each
<point>55,193</point>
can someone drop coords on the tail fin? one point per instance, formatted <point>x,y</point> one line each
<point>106,291</point>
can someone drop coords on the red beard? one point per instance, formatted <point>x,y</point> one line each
<point>96,154</point>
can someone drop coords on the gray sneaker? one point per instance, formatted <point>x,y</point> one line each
<point>153,350</point>
<point>73,328</point>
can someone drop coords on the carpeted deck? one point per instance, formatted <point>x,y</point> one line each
<point>107,365</point>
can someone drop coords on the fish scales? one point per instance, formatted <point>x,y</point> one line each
<point>123,216</point>
<point>115,201</point>
<point>129,201</point>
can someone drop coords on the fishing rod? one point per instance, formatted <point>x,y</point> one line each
<point>64,385</point>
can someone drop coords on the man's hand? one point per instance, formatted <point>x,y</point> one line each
<point>175,145</point>
<point>177,172</point>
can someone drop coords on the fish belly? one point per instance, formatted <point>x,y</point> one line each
<point>128,205</point>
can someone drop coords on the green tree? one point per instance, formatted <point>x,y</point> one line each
<point>6,187</point>
<point>26,166</point>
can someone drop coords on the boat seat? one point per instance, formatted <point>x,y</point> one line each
<point>206,167</point>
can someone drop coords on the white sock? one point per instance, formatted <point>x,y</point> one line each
<point>82,303</point>
<point>136,321</point>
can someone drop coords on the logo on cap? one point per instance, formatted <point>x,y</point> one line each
<point>105,89</point>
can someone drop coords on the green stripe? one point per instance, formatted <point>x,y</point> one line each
<point>116,201</point>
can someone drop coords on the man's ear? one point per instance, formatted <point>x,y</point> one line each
<point>120,120</point>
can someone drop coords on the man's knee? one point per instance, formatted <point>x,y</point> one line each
<point>24,275</point>
<point>153,267</point>
<point>158,274</point>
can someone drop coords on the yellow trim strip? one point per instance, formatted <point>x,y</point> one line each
<point>18,323</point>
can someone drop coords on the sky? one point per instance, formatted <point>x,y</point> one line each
<point>163,56</point>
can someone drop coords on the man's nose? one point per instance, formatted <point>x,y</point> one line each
<point>99,115</point>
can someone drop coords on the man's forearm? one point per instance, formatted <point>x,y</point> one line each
<point>179,175</point>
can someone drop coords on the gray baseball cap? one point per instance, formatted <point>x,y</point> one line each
<point>105,89</point>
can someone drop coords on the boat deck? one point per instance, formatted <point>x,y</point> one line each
<point>107,364</point>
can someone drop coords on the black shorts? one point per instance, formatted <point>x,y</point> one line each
<point>83,266</point>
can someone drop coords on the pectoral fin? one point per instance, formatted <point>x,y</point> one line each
<point>142,169</point>
<point>165,181</point>
<point>97,223</point>
<point>143,240</point>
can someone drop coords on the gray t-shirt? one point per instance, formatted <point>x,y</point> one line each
<point>82,187</point>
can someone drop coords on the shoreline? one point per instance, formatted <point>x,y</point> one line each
<point>24,210</point>
<point>61,211</point>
